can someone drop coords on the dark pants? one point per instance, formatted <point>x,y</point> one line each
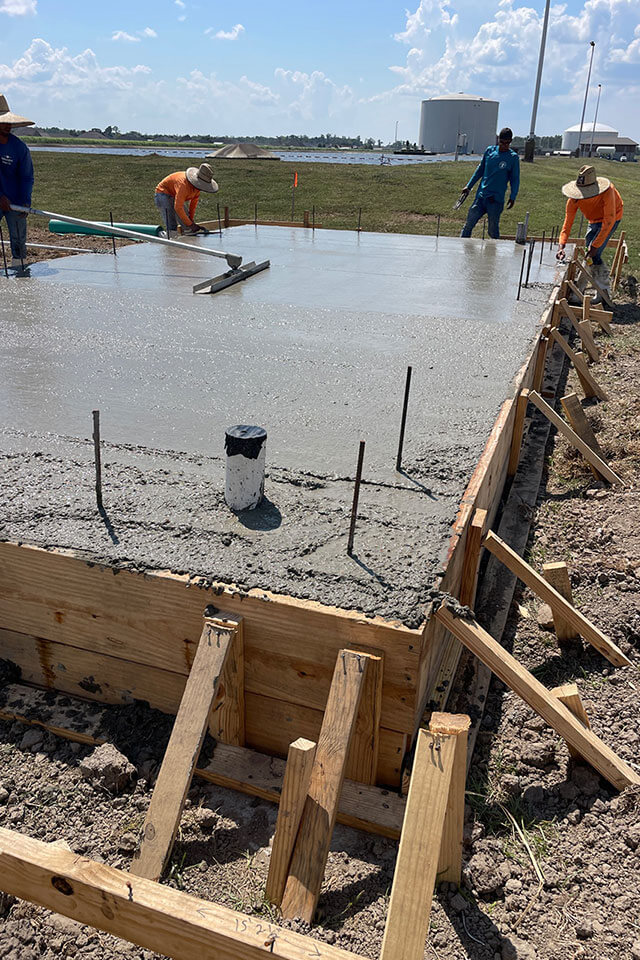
<point>592,233</point>
<point>480,206</point>
<point>17,224</point>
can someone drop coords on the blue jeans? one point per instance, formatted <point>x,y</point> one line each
<point>480,206</point>
<point>592,233</point>
<point>17,224</point>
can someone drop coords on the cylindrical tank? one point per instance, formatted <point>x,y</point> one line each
<point>602,134</point>
<point>444,119</point>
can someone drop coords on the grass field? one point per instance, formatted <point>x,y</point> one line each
<point>402,199</point>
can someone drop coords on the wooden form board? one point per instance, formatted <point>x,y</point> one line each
<point>590,386</point>
<point>569,694</point>
<point>581,426</point>
<point>556,574</point>
<point>155,917</point>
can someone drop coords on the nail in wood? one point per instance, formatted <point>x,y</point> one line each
<point>96,449</point>
<point>403,421</point>
<point>113,239</point>
<point>356,494</point>
<point>524,257</point>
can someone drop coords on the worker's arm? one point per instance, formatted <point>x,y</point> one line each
<point>192,208</point>
<point>569,216</point>
<point>478,173</point>
<point>26,178</point>
<point>182,198</point>
<point>608,217</point>
<point>514,181</point>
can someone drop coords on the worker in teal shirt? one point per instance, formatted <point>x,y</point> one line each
<point>499,167</point>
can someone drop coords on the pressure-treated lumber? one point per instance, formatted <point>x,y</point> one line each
<point>581,426</point>
<point>227,718</point>
<point>155,917</point>
<point>516,437</point>
<point>419,851</point>
<point>183,750</point>
<point>569,694</point>
<point>558,604</point>
<point>573,437</point>
<point>319,815</point>
<point>362,760</point>
<point>297,776</point>
<point>557,575</point>
<point>511,672</point>
<point>450,858</point>
<point>473,546</point>
<point>590,386</point>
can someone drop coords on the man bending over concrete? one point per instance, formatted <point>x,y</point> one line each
<point>499,167</point>
<point>16,182</point>
<point>178,194</point>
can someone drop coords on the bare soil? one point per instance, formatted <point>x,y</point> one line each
<point>38,232</point>
<point>551,857</point>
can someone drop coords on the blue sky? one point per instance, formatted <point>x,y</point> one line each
<point>180,66</point>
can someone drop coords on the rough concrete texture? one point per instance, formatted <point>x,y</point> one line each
<point>315,350</point>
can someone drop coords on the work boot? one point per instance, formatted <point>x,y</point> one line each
<point>18,263</point>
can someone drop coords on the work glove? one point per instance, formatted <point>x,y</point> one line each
<point>510,203</point>
<point>560,255</point>
<point>190,231</point>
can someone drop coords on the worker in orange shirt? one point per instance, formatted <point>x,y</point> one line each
<point>178,194</point>
<point>601,204</point>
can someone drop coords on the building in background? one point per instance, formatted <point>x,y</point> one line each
<point>470,122</point>
<point>603,136</point>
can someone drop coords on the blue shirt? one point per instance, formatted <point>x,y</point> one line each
<point>497,170</point>
<point>16,172</point>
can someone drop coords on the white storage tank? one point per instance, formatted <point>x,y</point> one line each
<point>602,135</point>
<point>442,119</point>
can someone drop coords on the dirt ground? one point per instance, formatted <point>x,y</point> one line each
<point>38,232</point>
<point>551,857</point>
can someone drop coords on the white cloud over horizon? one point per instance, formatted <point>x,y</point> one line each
<point>232,34</point>
<point>19,8</point>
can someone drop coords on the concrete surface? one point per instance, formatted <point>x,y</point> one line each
<point>315,350</point>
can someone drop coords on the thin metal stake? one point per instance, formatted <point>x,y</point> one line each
<point>483,225</point>
<point>524,256</point>
<point>438,227</point>
<point>96,449</point>
<point>403,421</point>
<point>313,217</point>
<point>356,494</point>
<point>4,256</point>
<point>255,215</point>
<point>532,244</point>
<point>219,221</point>
<point>542,246</point>
<point>359,218</point>
<point>113,239</point>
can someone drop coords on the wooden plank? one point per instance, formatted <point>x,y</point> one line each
<point>158,918</point>
<point>450,857</point>
<point>227,719</point>
<point>586,273</point>
<point>297,777</point>
<point>558,604</point>
<point>511,672</point>
<point>472,549</point>
<point>573,437</point>
<point>362,760</point>
<point>418,854</point>
<point>174,779</point>
<point>516,436</point>
<point>588,343</point>
<point>581,426</point>
<point>569,694</point>
<point>319,816</point>
<point>589,384</point>
<point>557,575</point>
<point>541,356</point>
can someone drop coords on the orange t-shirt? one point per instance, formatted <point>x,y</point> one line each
<point>177,186</point>
<point>604,208</point>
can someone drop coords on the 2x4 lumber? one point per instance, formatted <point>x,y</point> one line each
<point>155,917</point>
<point>310,853</point>
<point>584,448</point>
<point>569,694</point>
<point>556,574</point>
<point>601,316</point>
<point>181,756</point>
<point>584,332</point>
<point>581,426</point>
<point>618,254</point>
<point>589,384</point>
<point>586,273</point>
<point>558,604</point>
<point>472,548</point>
<point>227,719</point>
<point>450,858</point>
<point>541,356</point>
<point>516,437</point>
<point>295,785</point>
<point>362,760</point>
<point>419,850</point>
<point>559,717</point>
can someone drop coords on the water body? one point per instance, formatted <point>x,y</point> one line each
<point>289,156</point>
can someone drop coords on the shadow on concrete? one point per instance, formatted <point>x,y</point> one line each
<point>376,576</point>
<point>109,526</point>
<point>417,483</point>
<point>266,516</point>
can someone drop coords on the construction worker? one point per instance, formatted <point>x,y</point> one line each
<point>499,167</point>
<point>601,204</point>
<point>16,182</point>
<point>181,190</point>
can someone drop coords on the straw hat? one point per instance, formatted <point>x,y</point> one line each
<point>202,178</point>
<point>6,116</point>
<point>586,184</point>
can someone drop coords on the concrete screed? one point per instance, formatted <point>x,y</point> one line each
<point>315,350</point>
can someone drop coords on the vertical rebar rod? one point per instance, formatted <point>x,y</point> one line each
<point>4,256</point>
<point>313,217</point>
<point>542,246</point>
<point>483,225</point>
<point>532,244</point>
<point>96,450</point>
<point>113,239</point>
<point>403,421</point>
<point>524,257</point>
<point>438,227</point>
<point>359,218</point>
<point>255,214</point>
<point>356,494</point>
<point>219,221</point>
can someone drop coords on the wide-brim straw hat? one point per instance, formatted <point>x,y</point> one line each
<point>586,184</point>
<point>6,116</point>
<point>202,178</point>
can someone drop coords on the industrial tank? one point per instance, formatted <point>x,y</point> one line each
<point>473,121</point>
<point>601,135</point>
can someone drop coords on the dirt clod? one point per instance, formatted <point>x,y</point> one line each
<point>106,767</point>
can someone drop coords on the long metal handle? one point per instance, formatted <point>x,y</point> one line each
<point>232,259</point>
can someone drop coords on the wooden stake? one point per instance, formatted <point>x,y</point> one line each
<point>581,426</point>
<point>450,859</point>
<point>472,548</point>
<point>579,444</point>
<point>295,785</point>
<point>541,356</point>
<point>569,694</point>
<point>589,276</point>
<point>97,458</point>
<point>558,604</point>
<point>226,216</point>
<point>227,719</point>
<point>589,384</point>
<point>557,575</point>
<point>511,672</point>
<point>516,437</point>
<point>362,761</point>
<point>588,343</point>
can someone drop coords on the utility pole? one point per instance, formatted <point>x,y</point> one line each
<point>530,144</point>
<point>586,94</point>
<point>593,131</point>
<point>395,139</point>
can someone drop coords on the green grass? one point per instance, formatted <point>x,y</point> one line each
<point>403,199</point>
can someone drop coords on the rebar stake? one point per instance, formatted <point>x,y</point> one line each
<point>313,217</point>
<point>219,220</point>
<point>532,244</point>
<point>524,257</point>
<point>359,218</point>
<point>255,214</point>
<point>96,450</point>
<point>542,246</point>
<point>4,256</point>
<point>403,421</point>
<point>113,239</point>
<point>438,227</point>
<point>356,494</point>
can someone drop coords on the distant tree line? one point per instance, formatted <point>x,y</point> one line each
<point>542,143</point>
<point>285,140</point>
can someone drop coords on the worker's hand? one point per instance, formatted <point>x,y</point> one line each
<point>5,203</point>
<point>560,255</point>
<point>190,231</point>
<point>510,203</point>
<point>465,192</point>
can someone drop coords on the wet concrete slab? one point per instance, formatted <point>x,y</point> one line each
<point>315,350</point>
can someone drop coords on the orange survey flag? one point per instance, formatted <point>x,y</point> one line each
<point>295,179</point>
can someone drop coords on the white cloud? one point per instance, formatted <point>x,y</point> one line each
<point>232,34</point>
<point>43,68</point>
<point>315,95</point>
<point>180,3</point>
<point>123,35</point>
<point>19,8</point>
<point>148,32</point>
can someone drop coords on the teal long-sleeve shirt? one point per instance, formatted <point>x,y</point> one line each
<point>495,171</point>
